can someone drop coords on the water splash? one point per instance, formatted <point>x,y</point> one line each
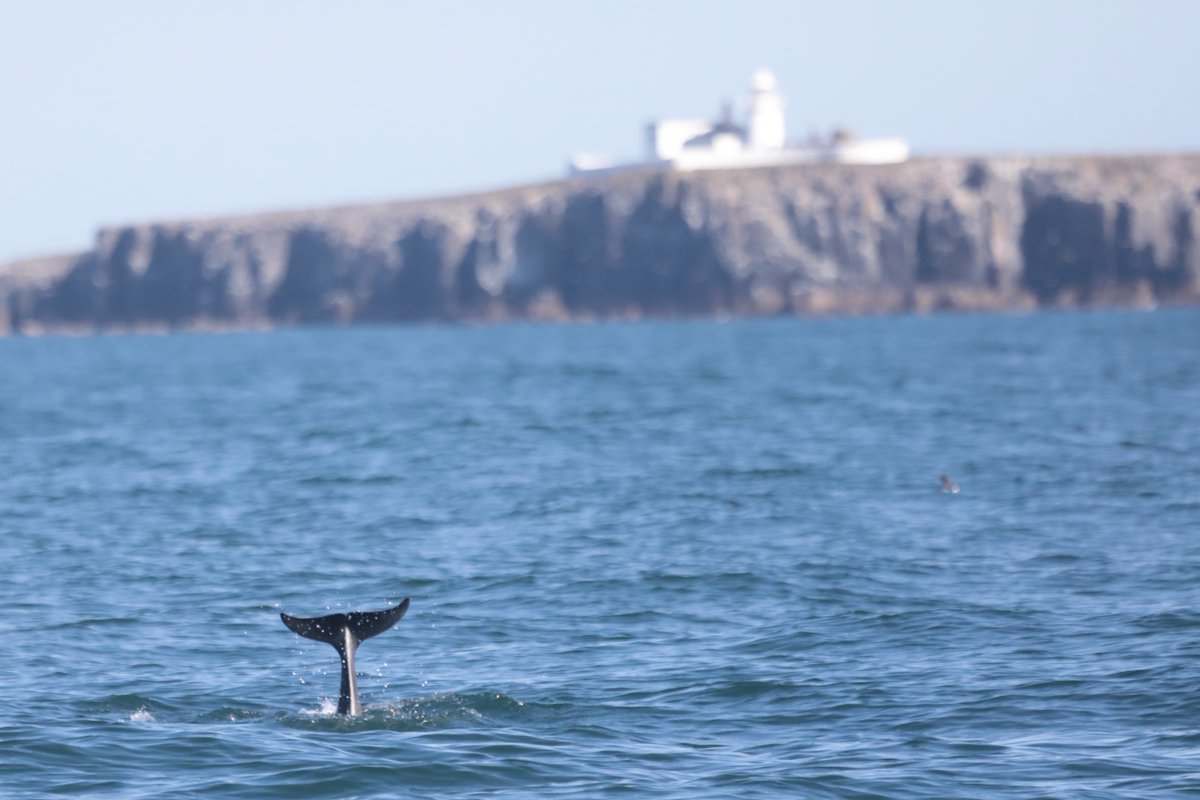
<point>142,715</point>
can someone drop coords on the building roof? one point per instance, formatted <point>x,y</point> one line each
<point>719,129</point>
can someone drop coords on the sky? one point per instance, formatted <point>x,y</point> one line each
<point>137,110</point>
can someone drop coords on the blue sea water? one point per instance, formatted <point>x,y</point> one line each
<point>689,559</point>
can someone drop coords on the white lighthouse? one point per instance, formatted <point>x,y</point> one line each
<point>766,124</point>
<point>758,140</point>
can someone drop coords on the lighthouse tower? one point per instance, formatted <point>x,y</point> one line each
<point>766,113</point>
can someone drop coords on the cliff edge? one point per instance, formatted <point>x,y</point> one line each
<point>939,233</point>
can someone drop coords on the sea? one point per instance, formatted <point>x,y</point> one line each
<point>675,559</point>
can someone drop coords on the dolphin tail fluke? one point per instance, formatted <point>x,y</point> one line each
<point>365,624</point>
<point>323,629</point>
<point>331,628</point>
<point>345,632</point>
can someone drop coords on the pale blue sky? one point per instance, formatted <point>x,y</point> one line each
<point>133,110</point>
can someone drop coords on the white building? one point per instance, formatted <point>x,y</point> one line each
<point>691,144</point>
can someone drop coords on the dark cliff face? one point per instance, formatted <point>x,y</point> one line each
<point>1083,249</point>
<point>937,233</point>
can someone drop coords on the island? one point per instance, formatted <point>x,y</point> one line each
<point>926,234</point>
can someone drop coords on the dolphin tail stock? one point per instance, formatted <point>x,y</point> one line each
<point>345,632</point>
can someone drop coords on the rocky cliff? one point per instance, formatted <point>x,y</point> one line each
<point>928,234</point>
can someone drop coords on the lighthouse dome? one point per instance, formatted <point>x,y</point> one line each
<point>763,80</point>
